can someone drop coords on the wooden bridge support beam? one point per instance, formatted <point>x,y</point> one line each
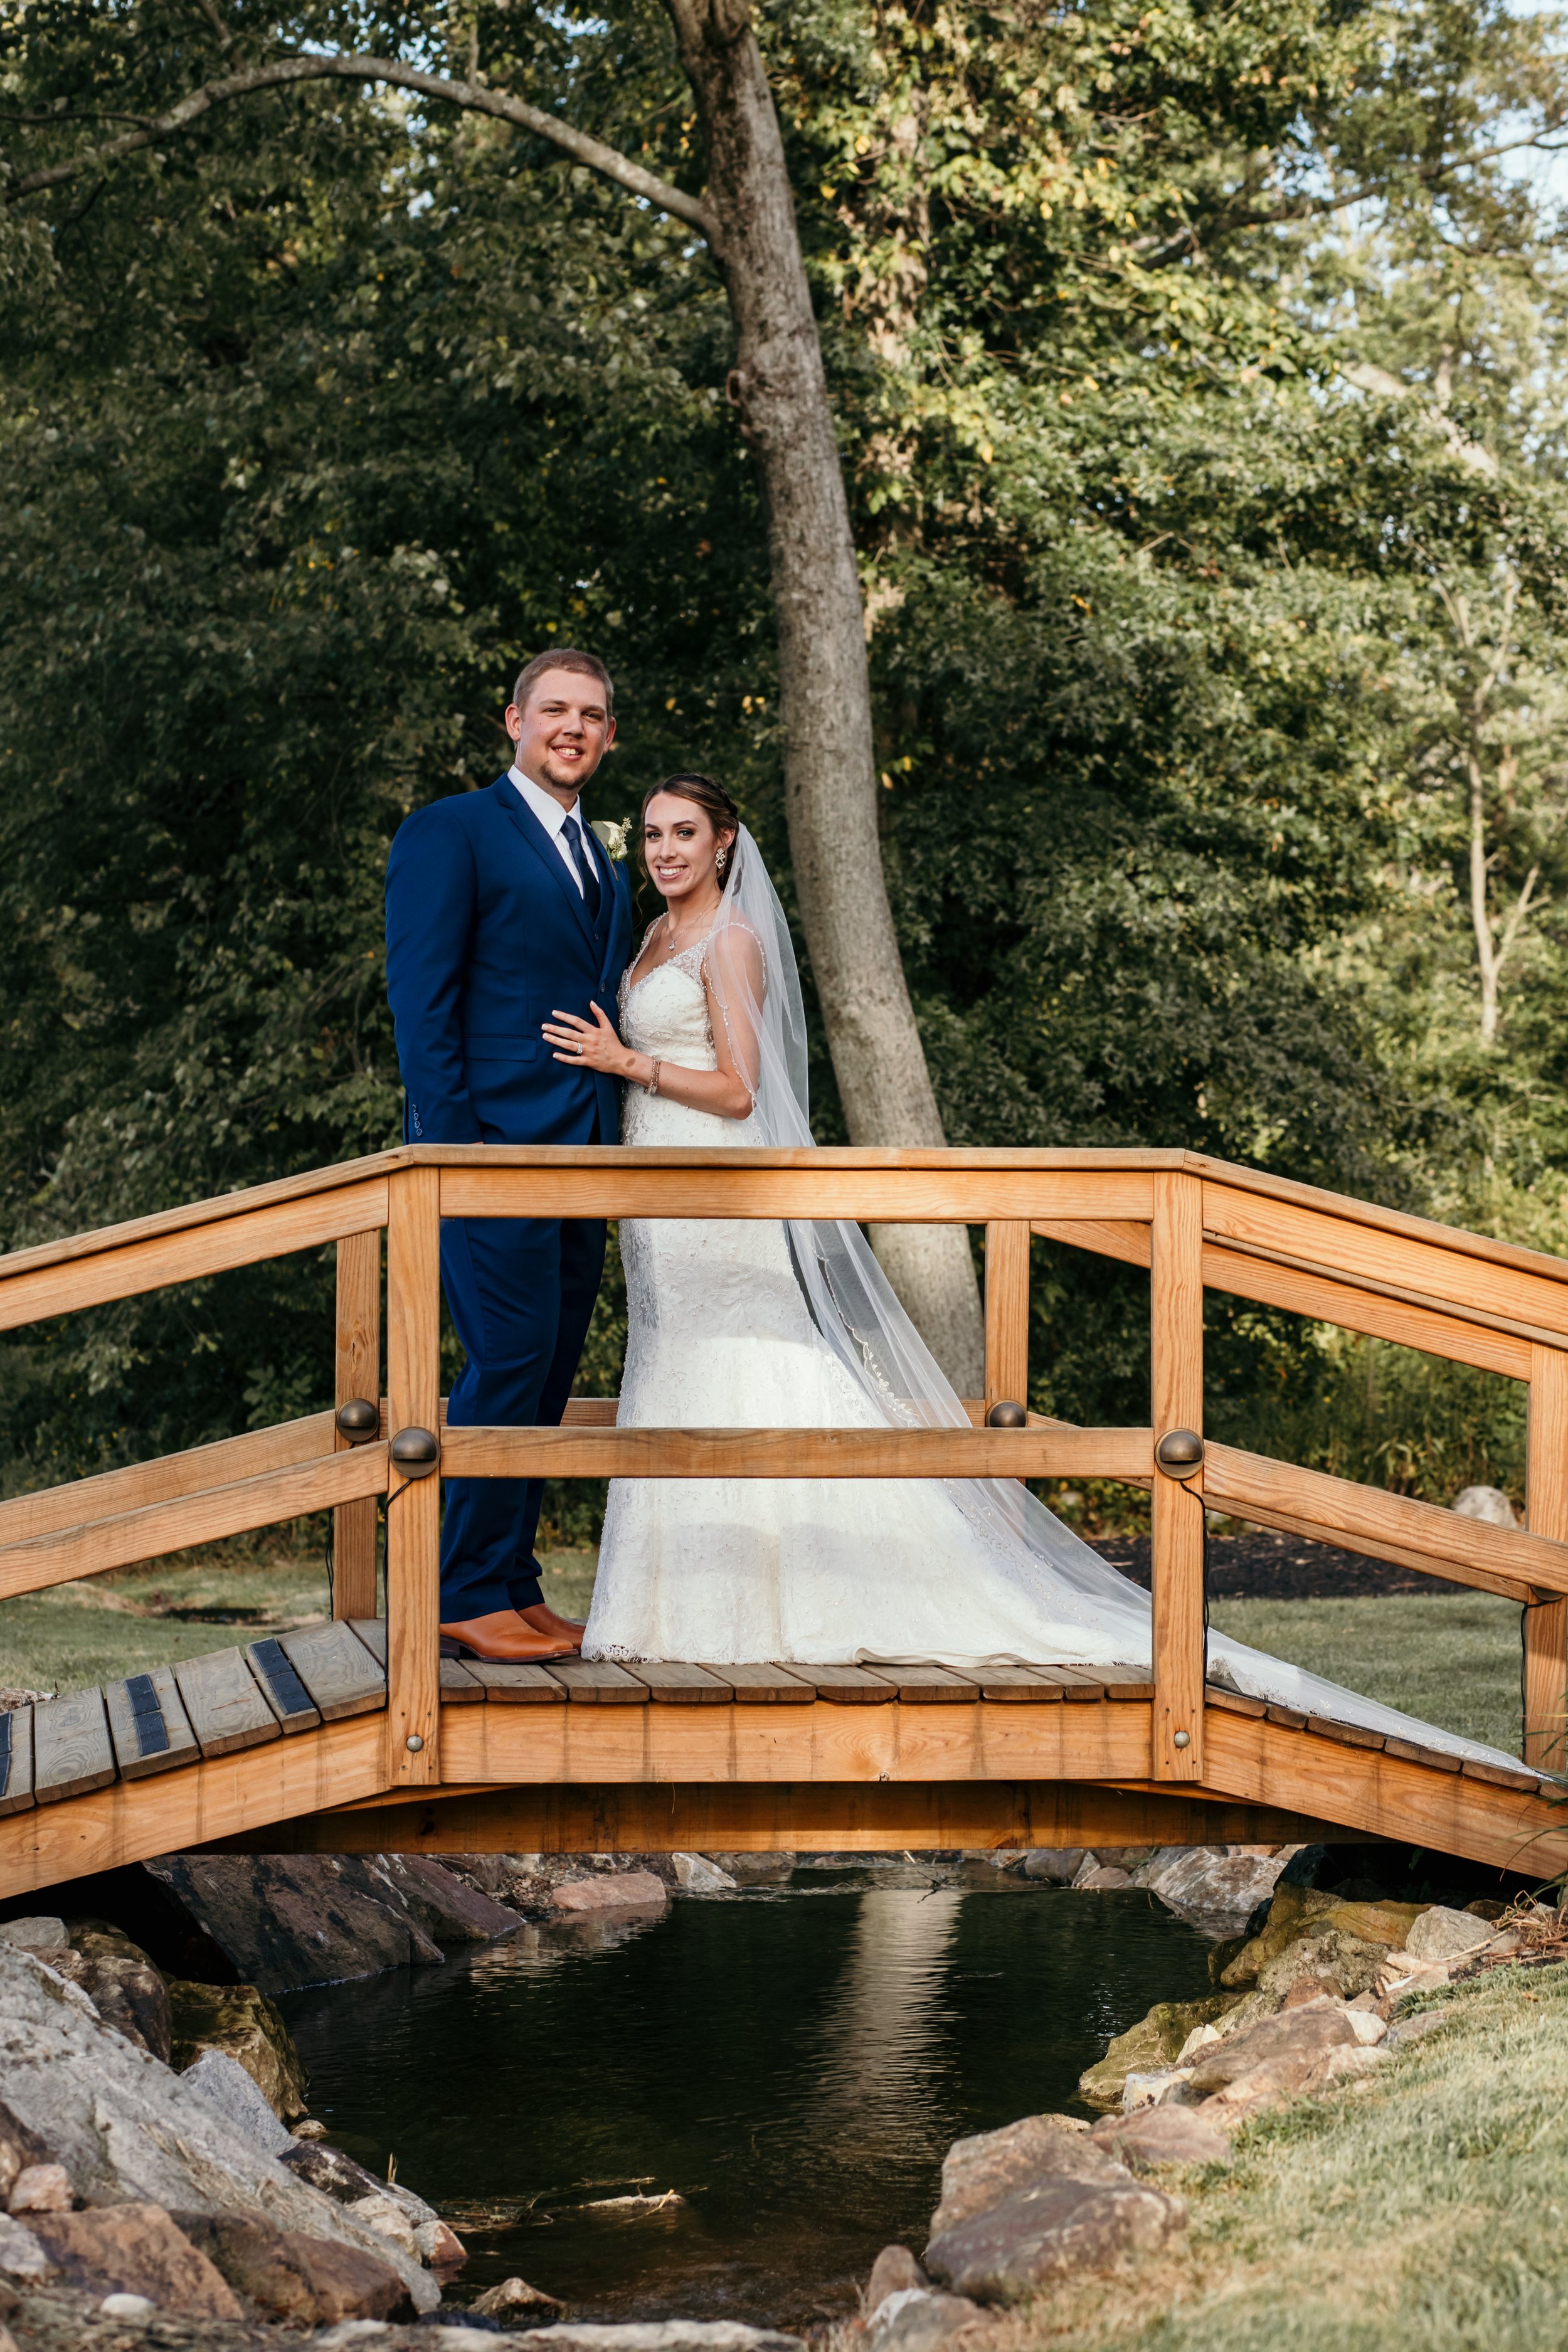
<point>357,1373</point>
<point>1546,1620</point>
<point>1176,1341</point>
<point>412,1505</point>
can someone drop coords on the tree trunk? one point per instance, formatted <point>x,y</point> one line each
<point>830,779</point>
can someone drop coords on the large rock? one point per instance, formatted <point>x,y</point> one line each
<point>1055,1866</point>
<point>120,1981</point>
<point>979,2172</point>
<point>1299,1911</point>
<point>656,2335</point>
<point>136,2249</point>
<point>894,2272</point>
<point>241,2021</point>
<point>624,1890</point>
<point>514,2302</point>
<point>22,2254</point>
<point>1162,2134</point>
<point>1276,2055</point>
<point>696,1874</point>
<point>1215,1888</point>
<point>1489,1504</point>
<point>308,2281</point>
<point>329,2170</point>
<point>1440,1933</point>
<point>126,2127</point>
<point>916,2320</point>
<point>223,2083</point>
<point>1047,2231</point>
<point>1154,2043</point>
<point>285,1920</point>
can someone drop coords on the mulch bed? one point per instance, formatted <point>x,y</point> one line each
<point>1259,1565</point>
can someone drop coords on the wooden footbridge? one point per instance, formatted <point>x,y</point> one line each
<point>355,1736</point>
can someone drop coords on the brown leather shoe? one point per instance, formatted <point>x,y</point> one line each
<point>504,1638</point>
<point>543,1619</point>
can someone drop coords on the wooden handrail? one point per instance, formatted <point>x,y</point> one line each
<point>580,1453</point>
<point>174,1525</point>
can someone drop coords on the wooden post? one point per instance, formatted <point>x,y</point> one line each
<point>358,1374</point>
<point>414,1506</point>
<point>1176,1337</point>
<point>1006,1313</point>
<point>1546,1626</point>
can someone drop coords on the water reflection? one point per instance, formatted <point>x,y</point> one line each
<point>790,2064</point>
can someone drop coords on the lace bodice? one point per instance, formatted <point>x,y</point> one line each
<point>664,1011</point>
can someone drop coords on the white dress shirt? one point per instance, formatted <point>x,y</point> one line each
<point>552,817</point>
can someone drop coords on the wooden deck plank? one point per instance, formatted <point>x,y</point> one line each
<point>1127,1685</point>
<point>764,1685</point>
<point>1347,1734</point>
<point>342,1676</point>
<point>72,1751</point>
<point>1025,1685</point>
<point>1497,1776</point>
<point>933,1686</point>
<point>149,1727</point>
<point>16,1761</point>
<point>279,1683</point>
<point>849,1685</point>
<point>459,1686</point>
<point>226,1708</point>
<point>677,1683</point>
<point>514,1685</point>
<point>596,1682</point>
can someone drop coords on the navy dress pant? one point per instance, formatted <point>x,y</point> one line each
<point>520,1291</point>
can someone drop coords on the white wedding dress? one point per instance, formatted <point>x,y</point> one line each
<point>727,1323</point>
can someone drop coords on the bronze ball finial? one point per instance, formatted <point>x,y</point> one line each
<point>1179,1453</point>
<point>415,1452</point>
<point>1008,1413</point>
<point>358,1420</point>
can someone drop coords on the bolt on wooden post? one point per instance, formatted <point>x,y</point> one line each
<point>1544,1741</point>
<point>357,1374</point>
<point>1176,1343</point>
<point>413,1506</point>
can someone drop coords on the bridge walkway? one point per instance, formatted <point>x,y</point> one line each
<point>355,1736</point>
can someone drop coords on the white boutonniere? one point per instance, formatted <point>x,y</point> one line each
<point>613,837</point>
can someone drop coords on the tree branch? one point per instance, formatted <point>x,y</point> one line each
<point>1317,207</point>
<point>344,67</point>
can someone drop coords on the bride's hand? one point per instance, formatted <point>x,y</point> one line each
<point>591,1044</point>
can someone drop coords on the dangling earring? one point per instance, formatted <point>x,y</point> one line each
<point>721,858</point>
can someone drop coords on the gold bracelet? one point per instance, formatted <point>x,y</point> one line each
<point>652,1087</point>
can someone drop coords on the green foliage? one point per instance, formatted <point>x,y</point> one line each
<point>321,416</point>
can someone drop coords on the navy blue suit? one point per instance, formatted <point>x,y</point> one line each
<point>487,935</point>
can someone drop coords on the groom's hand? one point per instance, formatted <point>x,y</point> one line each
<point>592,1045</point>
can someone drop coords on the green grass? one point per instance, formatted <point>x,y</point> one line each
<point>1451,1661</point>
<point>107,1627</point>
<point>1419,2211</point>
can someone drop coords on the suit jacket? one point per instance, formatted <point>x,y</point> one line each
<point>487,935</point>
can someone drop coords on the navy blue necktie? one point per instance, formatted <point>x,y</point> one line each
<point>587,873</point>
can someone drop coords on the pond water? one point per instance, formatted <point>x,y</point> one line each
<point>790,2061</point>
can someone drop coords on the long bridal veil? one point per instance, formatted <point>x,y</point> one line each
<point>755,979</point>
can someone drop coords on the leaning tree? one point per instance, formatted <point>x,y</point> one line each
<point>778,387</point>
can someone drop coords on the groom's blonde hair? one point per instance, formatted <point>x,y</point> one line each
<point>586,665</point>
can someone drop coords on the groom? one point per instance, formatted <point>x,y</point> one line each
<point>502,908</point>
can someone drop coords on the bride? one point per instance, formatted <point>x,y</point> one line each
<point>750,1324</point>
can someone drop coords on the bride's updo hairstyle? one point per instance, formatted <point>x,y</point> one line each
<point>708,794</point>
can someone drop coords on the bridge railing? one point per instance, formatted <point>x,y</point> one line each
<point>1195,1223</point>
